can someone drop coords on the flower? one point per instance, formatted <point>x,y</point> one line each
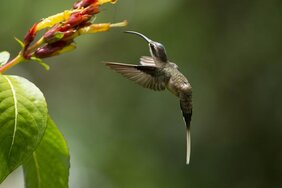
<point>63,28</point>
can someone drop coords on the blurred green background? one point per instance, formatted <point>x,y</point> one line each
<point>122,136</point>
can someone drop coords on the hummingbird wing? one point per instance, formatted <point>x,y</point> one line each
<point>186,107</point>
<point>144,75</point>
<point>146,60</point>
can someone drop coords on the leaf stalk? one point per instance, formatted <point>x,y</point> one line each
<point>19,58</point>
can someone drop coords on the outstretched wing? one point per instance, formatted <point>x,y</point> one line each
<point>144,75</point>
<point>186,107</point>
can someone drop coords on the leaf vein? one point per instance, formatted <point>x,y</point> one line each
<point>16,112</point>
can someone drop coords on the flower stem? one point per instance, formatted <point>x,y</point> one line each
<point>12,63</point>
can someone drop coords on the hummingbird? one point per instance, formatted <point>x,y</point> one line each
<point>158,73</point>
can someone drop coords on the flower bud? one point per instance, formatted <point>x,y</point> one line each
<point>77,19</point>
<point>58,32</point>
<point>91,10</point>
<point>53,49</point>
<point>29,37</point>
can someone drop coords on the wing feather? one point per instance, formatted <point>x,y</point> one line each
<point>144,75</point>
<point>146,60</point>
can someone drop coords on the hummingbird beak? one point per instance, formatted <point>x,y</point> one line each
<point>141,35</point>
<point>157,50</point>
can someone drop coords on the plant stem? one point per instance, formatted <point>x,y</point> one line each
<point>12,63</point>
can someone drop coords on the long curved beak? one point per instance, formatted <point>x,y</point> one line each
<point>141,35</point>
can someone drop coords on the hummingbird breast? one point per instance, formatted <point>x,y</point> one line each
<point>178,83</point>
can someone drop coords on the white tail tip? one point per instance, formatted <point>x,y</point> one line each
<point>188,149</point>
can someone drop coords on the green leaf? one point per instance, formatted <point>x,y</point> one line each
<point>4,57</point>
<point>49,165</point>
<point>23,119</point>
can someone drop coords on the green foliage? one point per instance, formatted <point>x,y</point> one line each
<point>23,120</point>
<point>49,164</point>
<point>24,138</point>
<point>4,57</point>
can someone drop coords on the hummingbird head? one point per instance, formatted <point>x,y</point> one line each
<point>157,50</point>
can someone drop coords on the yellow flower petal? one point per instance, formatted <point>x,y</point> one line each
<point>100,2</point>
<point>94,28</point>
<point>68,48</point>
<point>52,20</point>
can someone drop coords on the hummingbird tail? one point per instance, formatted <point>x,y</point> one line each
<point>188,151</point>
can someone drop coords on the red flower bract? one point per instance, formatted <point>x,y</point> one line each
<point>77,20</point>
<point>29,37</point>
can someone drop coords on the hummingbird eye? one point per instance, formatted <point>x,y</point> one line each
<point>151,46</point>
